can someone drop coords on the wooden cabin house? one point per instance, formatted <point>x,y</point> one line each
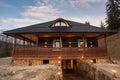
<point>58,41</point>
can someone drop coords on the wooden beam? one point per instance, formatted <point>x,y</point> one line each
<point>27,39</point>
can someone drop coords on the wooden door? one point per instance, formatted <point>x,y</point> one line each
<point>68,66</point>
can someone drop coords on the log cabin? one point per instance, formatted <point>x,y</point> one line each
<point>59,41</point>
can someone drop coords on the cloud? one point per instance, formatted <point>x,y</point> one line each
<point>15,23</point>
<point>73,3</point>
<point>31,15</point>
<point>44,10</point>
<point>11,23</point>
<point>84,3</point>
<point>41,12</point>
<point>94,20</point>
<point>42,2</point>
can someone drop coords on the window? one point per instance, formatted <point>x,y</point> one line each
<point>57,24</point>
<point>63,24</point>
<point>94,60</point>
<point>60,22</point>
<point>45,61</point>
<point>81,43</point>
<point>57,44</point>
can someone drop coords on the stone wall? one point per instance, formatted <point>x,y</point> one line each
<point>91,72</point>
<point>40,62</point>
<point>113,45</point>
<point>98,61</point>
<point>40,72</point>
<point>33,62</point>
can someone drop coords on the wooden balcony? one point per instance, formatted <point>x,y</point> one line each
<point>64,53</point>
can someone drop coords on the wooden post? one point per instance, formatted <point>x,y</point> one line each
<point>83,45</point>
<point>24,42</point>
<point>60,41</point>
<point>14,45</point>
<point>36,40</point>
<point>31,42</point>
<point>7,39</point>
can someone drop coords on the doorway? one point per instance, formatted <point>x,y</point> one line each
<point>69,66</point>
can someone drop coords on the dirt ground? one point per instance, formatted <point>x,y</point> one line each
<point>41,72</point>
<point>5,61</point>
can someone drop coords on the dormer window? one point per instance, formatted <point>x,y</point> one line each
<point>60,22</point>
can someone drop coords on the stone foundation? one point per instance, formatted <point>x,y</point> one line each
<point>98,61</point>
<point>33,62</point>
<point>20,62</point>
<point>90,71</point>
<point>102,61</point>
<point>40,62</point>
<point>36,62</point>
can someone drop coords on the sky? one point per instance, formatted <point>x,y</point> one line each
<point>21,13</point>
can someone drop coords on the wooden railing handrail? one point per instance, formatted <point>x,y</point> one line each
<point>70,52</point>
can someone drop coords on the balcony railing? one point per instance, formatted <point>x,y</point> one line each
<point>64,53</point>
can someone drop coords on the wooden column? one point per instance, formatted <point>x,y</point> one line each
<point>24,42</point>
<point>60,41</point>
<point>31,42</point>
<point>83,45</point>
<point>36,40</point>
<point>14,45</point>
<point>7,39</point>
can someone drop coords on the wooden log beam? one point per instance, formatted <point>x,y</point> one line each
<point>27,39</point>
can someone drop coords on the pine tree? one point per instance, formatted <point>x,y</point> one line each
<point>102,25</point>
<point>87,22</point>
<point>113,14</point>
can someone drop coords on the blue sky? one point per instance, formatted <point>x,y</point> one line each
<point>20,13</point>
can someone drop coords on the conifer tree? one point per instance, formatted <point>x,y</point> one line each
<point>102,25</point>
<point>113,14</point>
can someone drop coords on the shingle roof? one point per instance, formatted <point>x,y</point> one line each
<point>45,27</point>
